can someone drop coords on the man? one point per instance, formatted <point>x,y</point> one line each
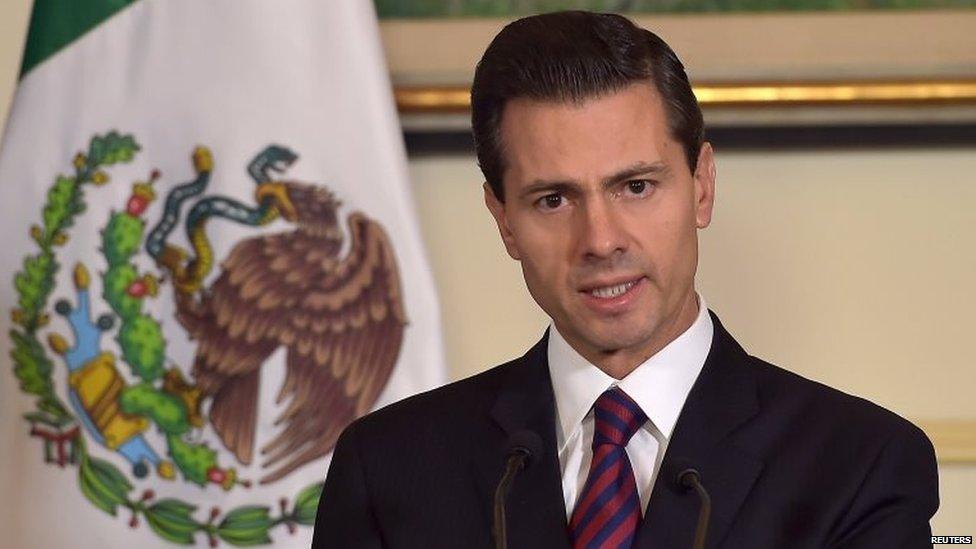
<point>598,177</point>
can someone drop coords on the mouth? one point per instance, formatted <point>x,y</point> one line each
<point>612,296</point>
<point>612,290</point>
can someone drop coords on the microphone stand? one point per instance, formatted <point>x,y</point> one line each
<point>690,478</point>
<point>515,463</point>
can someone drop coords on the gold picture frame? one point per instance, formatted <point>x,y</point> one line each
<point>866,59</point>
<point>455,99</point>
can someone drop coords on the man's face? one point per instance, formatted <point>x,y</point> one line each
<point>602,211</point>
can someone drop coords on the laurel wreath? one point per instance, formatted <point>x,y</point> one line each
<point>99,480</point>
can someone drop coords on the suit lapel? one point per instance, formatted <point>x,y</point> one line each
<point>535,511</point>
<point>722,399</point>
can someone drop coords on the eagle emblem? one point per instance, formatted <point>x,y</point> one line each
<point>328,296</point>
<point>340,319</point>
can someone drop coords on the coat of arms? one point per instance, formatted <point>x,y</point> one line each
<point>337,315</point>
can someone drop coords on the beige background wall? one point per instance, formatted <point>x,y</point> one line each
<point>854,268</point>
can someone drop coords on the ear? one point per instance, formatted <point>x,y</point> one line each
<point>704,186</point>
<point>497,209</point>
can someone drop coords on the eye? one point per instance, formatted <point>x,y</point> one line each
<point>551,201</point>
<point>639,187</point>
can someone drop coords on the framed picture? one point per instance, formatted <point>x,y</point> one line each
<point>802,61</point>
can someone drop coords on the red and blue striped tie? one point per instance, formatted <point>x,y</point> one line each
<point>608,510</point>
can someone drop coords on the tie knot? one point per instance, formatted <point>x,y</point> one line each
<point>617,417</point>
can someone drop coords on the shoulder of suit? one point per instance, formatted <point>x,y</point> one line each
<point>453,405</point>
<point>812,401</point>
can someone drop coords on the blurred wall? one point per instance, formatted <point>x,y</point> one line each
<point>856,268</point>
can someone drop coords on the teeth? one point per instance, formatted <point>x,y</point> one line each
<point>612,291</point>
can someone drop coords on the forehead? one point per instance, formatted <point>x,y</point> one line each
<point>587,140</point>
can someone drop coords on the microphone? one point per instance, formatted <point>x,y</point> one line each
<point>524,449</point>
<point>689,478</point>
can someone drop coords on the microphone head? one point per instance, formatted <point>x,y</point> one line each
<point>527,443</point>
<point>684,473</point>
<point>687,476</point>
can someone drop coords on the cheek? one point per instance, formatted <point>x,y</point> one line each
<point>542,284</point>
<point>542,248</point>
<point>540,261</point>
<point>540,242</point>
<point>684,249</point>
<point>666,237</point>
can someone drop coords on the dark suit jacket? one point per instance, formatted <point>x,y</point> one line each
<point>789,463</point>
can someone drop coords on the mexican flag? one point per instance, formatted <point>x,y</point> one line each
<point>212,265</point>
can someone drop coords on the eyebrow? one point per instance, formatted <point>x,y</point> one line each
<point>634,170</point>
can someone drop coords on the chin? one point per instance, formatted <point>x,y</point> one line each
<point>614,338</point>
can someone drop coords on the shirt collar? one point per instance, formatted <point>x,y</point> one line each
<point>660,385</point>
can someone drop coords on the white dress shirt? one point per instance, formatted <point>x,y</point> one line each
<point>659,386</point>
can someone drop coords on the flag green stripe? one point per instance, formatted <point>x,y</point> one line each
<point>56,23</point>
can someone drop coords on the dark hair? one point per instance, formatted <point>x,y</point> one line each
<point>574,56</point>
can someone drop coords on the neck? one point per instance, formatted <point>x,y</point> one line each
<point>618,363</point>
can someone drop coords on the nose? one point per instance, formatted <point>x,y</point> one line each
<point>601,234</point>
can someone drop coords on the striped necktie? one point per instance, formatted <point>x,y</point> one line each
<point>608,509</point>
